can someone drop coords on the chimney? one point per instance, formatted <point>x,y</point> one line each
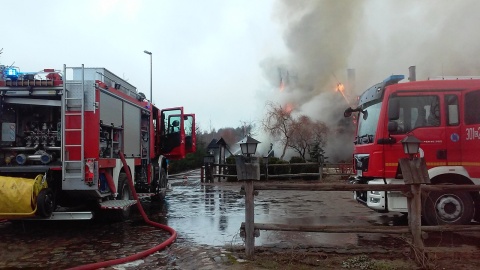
<point>412,76</point>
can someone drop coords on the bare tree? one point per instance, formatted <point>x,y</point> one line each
<point>305,134</point>
<point>278,124</point>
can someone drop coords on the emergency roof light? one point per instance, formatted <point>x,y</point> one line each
<point>12,73</point>
<point>393,79</point>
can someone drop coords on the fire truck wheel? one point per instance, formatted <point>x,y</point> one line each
<point>45,203</point>
<point>163,183</point>
<point>124,193</point>
<point>161,187</point>
<point>448,208</point>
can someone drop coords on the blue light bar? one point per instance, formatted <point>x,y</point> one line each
<point>12,73</point>
<point>393,79</point>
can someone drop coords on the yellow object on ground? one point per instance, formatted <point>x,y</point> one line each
<point>18,196</point>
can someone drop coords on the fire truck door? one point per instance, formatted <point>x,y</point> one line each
<point>470,132</point>
<point>420,116</point>
<point>172,139</point>
<point>452,130</point>
<point>190,136</point>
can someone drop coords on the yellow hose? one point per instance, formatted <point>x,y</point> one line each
<point>18,196</point>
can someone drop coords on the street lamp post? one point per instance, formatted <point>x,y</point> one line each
<point>248,169</point>
<point>151,74</point>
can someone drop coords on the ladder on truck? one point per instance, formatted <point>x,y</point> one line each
<point>73,104</point>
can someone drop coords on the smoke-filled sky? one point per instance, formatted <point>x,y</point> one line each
<point>223,59</point>
<point>376,38</point>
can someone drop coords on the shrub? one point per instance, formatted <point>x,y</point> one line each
<point>298,168</point>
<point>281,169</point>
<point>311,168</point>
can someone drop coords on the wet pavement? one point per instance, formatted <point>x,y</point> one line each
<point>207,218</point>
<point>214,213</point>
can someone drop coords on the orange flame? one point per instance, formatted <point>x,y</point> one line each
<point>289,107</point>
<point>341,88</point>
<point>282,86</point>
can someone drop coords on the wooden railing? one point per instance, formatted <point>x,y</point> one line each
<point>415,177</point>
<point>215,171</point>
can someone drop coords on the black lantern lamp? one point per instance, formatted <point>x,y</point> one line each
<point>248,145</point>
<point>411,145</point>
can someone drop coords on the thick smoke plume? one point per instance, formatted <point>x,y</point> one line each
<point>377,38</point>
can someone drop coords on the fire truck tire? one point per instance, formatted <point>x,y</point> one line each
<point>448,208</point>
<point>124,193</point>
<point>45,203</point>
<point>161,187</point>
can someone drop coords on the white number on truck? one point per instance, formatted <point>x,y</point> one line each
<point>473,133</point>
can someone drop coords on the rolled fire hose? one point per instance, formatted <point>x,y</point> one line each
<point>18,196</point>
<point>142,254</point>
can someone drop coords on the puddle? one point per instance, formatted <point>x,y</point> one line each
<point>212,215</point>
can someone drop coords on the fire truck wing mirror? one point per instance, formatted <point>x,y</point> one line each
<point>393,109</point>
<point>365,114</point>
<point>392,126</point>
<point>348,112</point>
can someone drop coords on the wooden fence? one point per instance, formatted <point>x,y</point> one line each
<point>416,183</point>
<point>213,171</point>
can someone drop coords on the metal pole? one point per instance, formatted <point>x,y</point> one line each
<point>151,78</point>
<point>151,74</point>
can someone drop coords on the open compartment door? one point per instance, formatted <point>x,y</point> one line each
<point>190,135</point>
<point>172,138</point>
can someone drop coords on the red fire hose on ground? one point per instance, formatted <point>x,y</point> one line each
<point>142,254</point>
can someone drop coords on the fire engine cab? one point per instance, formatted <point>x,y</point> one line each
<point>444,114</point>
<point>63,134</point>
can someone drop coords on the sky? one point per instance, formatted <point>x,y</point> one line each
<point>225,59</point>
<point>205,54</point>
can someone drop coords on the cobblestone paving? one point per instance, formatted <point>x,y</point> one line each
<point>181,256</point>
<point>50,247</point>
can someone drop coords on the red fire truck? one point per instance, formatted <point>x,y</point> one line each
<point>63,133</point>
<point>444,114</point>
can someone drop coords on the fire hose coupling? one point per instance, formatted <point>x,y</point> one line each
<point>39,156</point>
<point>21,159</point>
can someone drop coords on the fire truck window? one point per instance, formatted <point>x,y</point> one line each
<point>188,124</point>
<point>417,112</point>
<point>367,126</point>
<point>421,120</point>
<point>451,101</point>
<point>472,110</point>
<point>434,115</point>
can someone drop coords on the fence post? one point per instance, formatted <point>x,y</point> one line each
<point>202,174</point>
<point>415,222</point>
<point>208,173</point>
<point>265,160</point>
<point>249,220</point>
<point>415,173</point>
<point>248,170</point>
<point>320,167</point>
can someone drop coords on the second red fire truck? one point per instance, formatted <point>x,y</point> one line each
<point>63,135</point>
<point>444,114</point>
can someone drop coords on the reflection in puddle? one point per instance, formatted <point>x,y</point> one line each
<point>212,215</point>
